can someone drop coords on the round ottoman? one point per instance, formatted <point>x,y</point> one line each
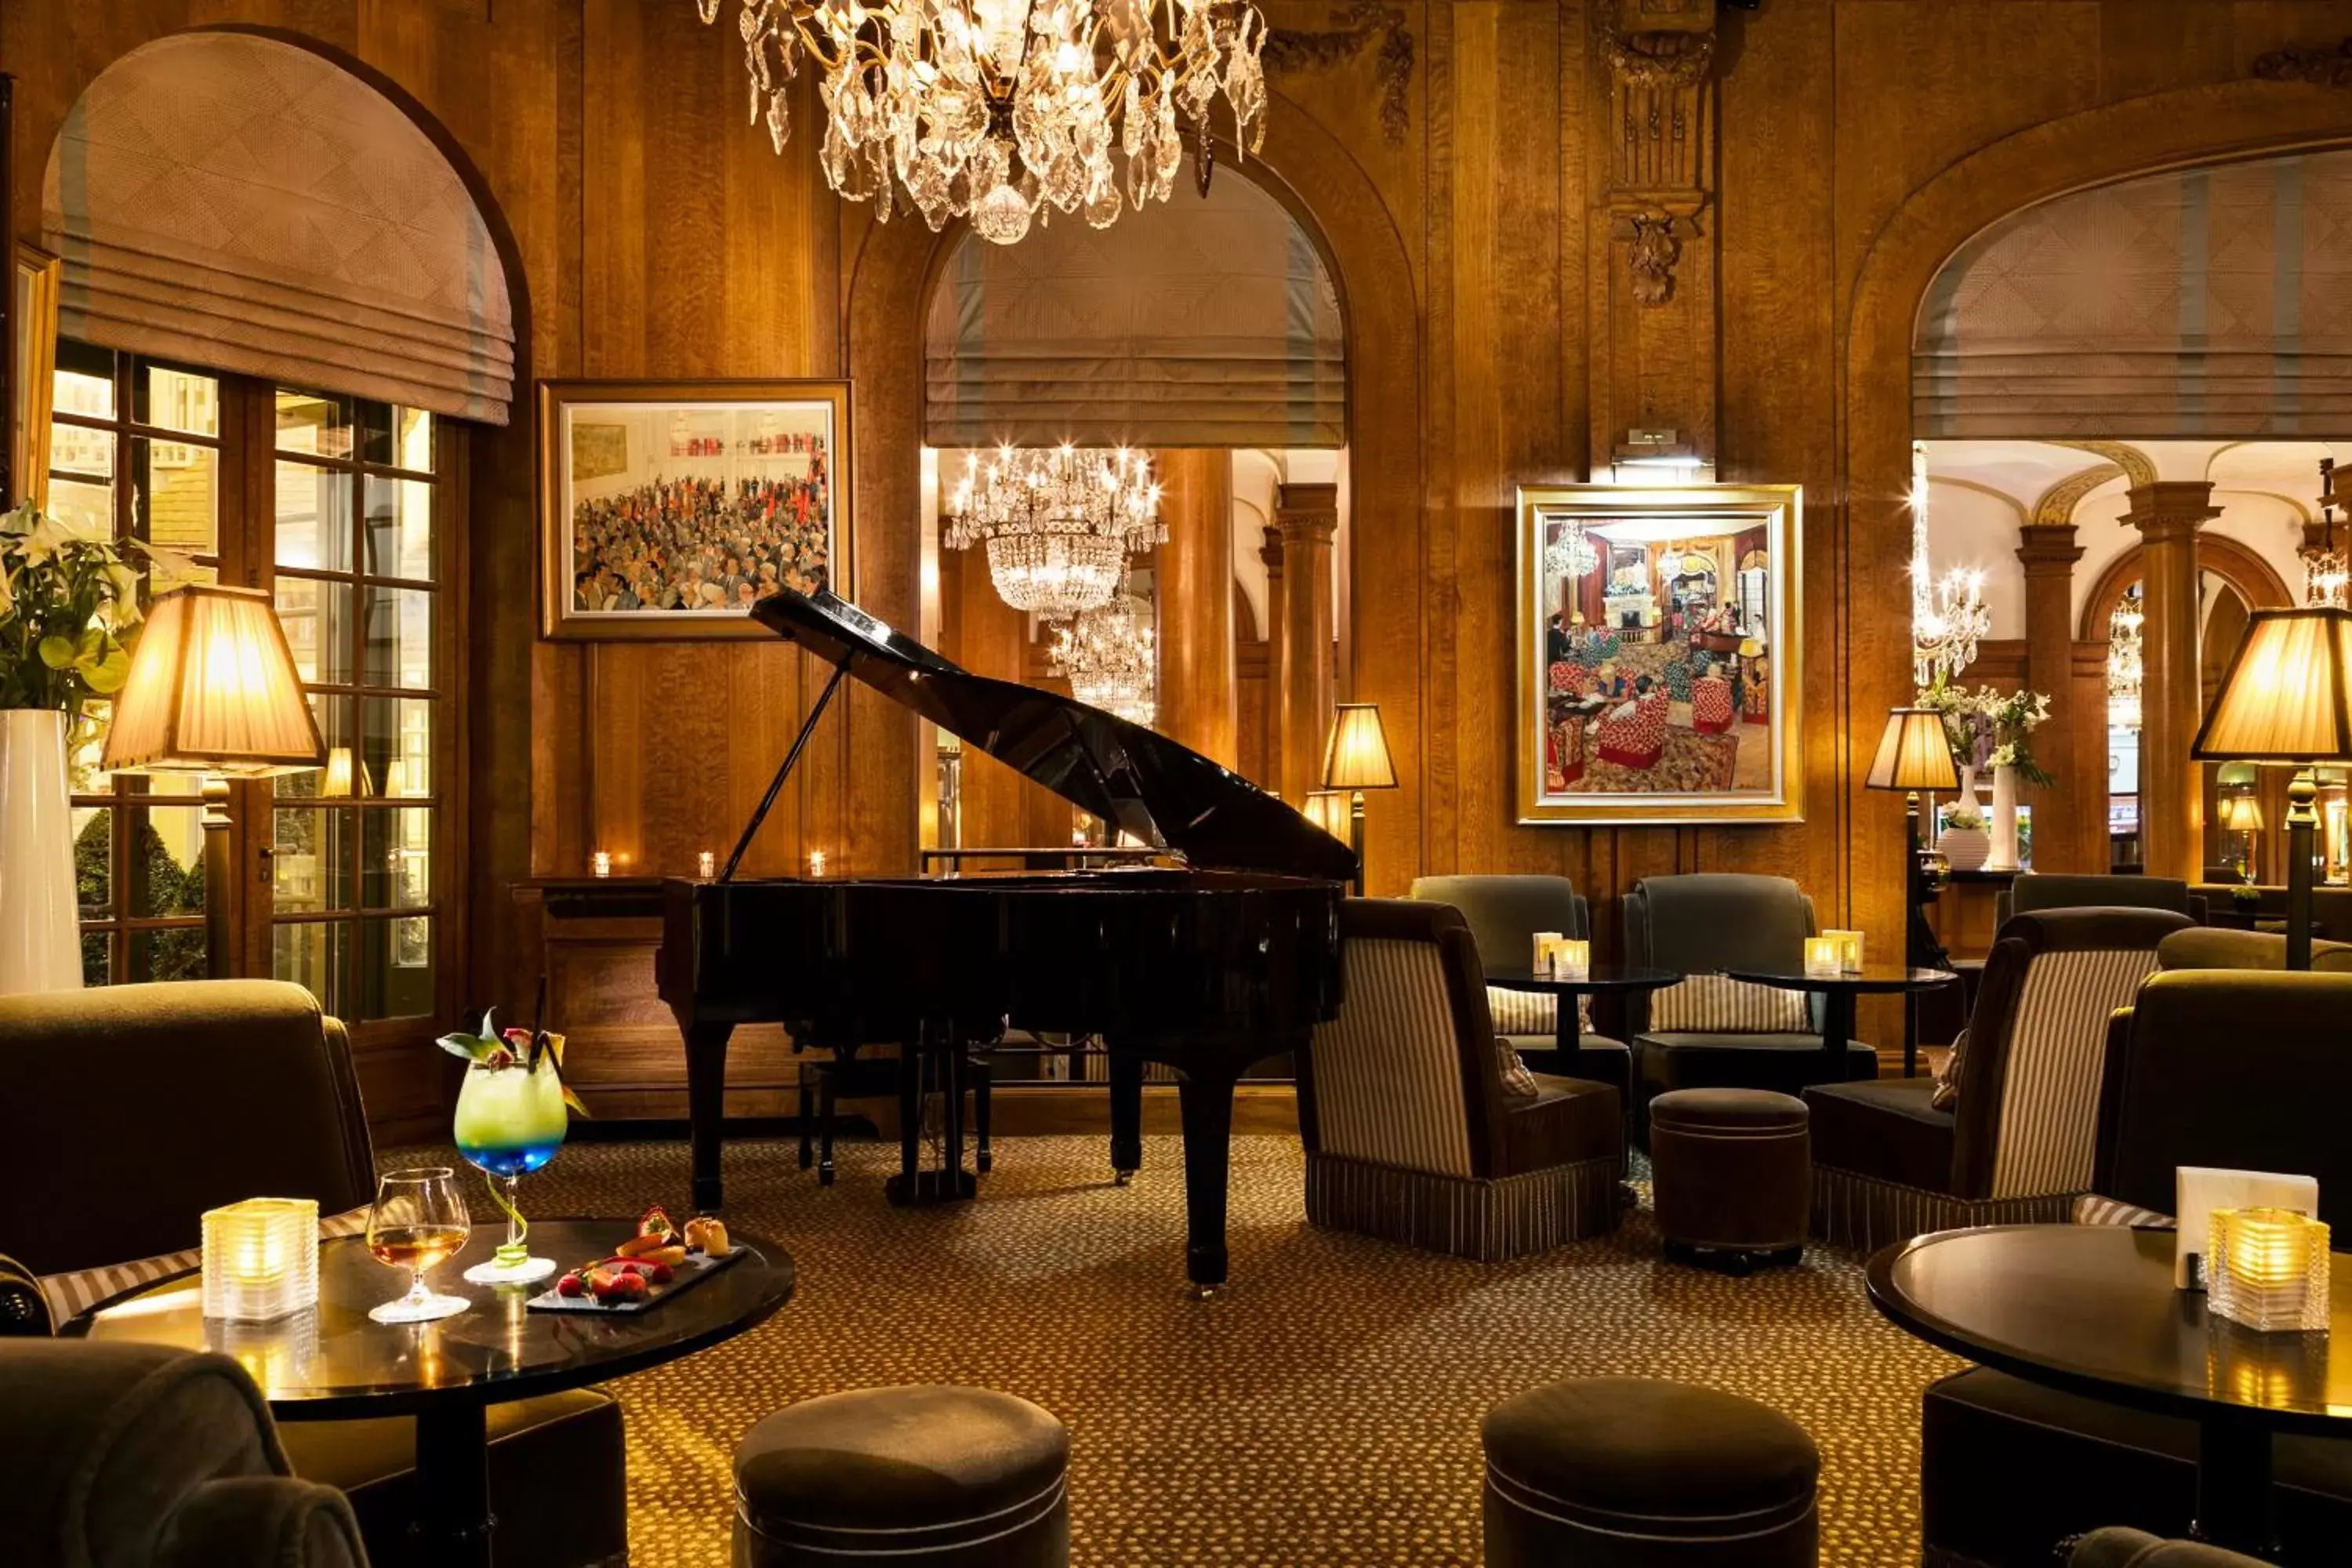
<point>1630,1472</point>
<point>916,1477</point>
<point>1731,1175</point>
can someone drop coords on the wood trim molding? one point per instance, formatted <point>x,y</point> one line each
<point>2257,583</point>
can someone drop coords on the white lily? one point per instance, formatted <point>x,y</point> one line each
<point>44,541</point>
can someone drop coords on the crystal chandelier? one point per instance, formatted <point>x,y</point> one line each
<point>2326,573</point>
<point>2124,663</point>
<point>1000,109</point>
<point>1949,617</point>
<point>1058,523</point>
<point>1571,552</point>
<point>1106,655</point>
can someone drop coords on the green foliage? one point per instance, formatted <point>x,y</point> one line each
<point>177,954</point>
<point>68,616</point>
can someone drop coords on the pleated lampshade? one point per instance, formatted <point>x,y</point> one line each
<point>1357,755</point>
<point>1914,752</point>
<point>2285,698</point>
<point>213,690</point>
<point>1328,809</point>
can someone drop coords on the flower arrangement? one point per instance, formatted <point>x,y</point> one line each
<point>1988,729</point>
<point>68,616</point>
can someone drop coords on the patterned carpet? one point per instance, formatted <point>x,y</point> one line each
<point>1324,1411</point>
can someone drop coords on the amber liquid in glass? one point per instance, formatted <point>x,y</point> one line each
<point>416,1247</point>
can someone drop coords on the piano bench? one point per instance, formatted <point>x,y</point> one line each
<point>935,1477</point>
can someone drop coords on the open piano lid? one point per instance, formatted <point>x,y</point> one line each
<point>1141,782</point>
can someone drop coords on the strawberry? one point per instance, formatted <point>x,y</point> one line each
<point>571,1287</point>
<point>630,1288</point>
<point>660,1274</point>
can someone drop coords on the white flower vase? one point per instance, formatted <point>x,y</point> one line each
<point>40,940</point>
<point>1964,849</point>
<point>2003,855</point>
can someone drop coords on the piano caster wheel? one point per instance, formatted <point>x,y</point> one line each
<point>1121,1178</point>
<point>1205,1292</point>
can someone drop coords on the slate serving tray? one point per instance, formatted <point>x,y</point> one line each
<point>698,1267</point>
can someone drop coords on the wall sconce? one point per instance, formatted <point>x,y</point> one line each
<point>261,1258</point>
<point>1825,957</point>
<point>1849,949</point>
<point>2267,1269</point>
<point>1658,458</point>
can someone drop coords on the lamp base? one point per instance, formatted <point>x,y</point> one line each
<point>1356,837</point>
<point>2302,820</point>
<point>218,959</point>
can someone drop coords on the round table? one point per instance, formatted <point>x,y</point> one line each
<point>1838,992</point>
<point>2091,1309</point>
<point>333,1363</point>
<point>1568,1036</point>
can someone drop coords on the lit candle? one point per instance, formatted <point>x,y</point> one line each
<point>706,865</point>
<point>260,1259</point>
<point>1850,947</point>
<point>601,863</point>
<point>1825,957</point>
<point>2268,1269</point>
<point>1545,942</point>
<point>1571,959</point>
<point>816,862</point>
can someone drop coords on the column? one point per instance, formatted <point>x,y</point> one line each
<point>1196,602</point>
<point>2067,818</point>
<point>1269,550</point>
<point>2168,513</point>
<point>1309,518</point>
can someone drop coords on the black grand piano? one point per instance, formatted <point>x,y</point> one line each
<point>1210,967</point>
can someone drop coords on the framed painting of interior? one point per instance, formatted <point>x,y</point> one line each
<point>1658,655</point>
<point>34,307</point>
<point>668,508</point>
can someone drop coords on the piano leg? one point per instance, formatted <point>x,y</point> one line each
<point>911,1115</point>
<point>1125,1115</point>
<point>706,1110</point>
<point>1206,1100</point>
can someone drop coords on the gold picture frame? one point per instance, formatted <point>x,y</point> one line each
<point>668,508</point>
<point>1660,639</point>
<point>33,306</point>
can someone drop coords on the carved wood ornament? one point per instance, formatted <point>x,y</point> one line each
<point>1353,30</point>
<point>2307,62</point>
<point>1661,88</point>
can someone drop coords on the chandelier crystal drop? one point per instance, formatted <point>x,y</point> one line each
<point>1058,523</point>
<point>1107,657</point>
<point>2123,670</point>
<point>1001,110</point>
<point>2328,573</point>
<point>1949,617</point>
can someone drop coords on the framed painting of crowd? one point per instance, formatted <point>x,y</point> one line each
<point>669,509</point>
<point>1658,654</point>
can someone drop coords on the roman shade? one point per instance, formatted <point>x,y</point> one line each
<point>1197,321</point>
<point>2205,301</point>
<point>243,203</point>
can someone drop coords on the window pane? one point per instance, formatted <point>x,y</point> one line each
<point>94,861</point>
<point>399,650</point>
<point>308,422</point>
<point>396,438</point>
<point>174,955</point>
<point>164,868</point>
<point>396,745</point>
<point>395,977</point>
<point>81,475</point>
<point>85,380</point>
<point>172,399</point>
<point>82,508</point>
<point>314,517</point>
<point>341,778</point>
<point>396,859</point>
<point>399,528</point>
<point>178,506</point>
<point>318,621</point>
<point>315,954</point>
<point>85,747</point>
<point>97,958</point>
<point>310,860</point>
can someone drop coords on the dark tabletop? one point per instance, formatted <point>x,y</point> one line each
<point>1601,977</point>
<point>1873,977</point>
<point>2092,1310</point>
<point>335,1362</point>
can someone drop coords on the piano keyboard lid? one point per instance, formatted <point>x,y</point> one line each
<point>1137,780</point>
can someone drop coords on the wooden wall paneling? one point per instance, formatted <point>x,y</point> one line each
<point>1384,614</point>
<point>1195,603</point>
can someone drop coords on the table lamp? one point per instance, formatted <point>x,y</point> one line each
<point>2242,814</point>
<point>1327,809</point>
<point>1356,759</point>
<point>1913,753</point>
<point>213,691</point>
<point>2283,700</point>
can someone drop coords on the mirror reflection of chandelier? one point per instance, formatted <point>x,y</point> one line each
<point>1106,655</point>
<point>2124,627</point>
<point>1058,522</point>
<point>1000,108</point>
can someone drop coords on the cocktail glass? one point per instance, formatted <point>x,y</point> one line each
<point>511,1119</point>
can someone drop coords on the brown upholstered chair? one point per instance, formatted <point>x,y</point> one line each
<point>2220,1067</point>
<point>1409,1133</point>
<point>213,1090</point>
<point>1505,911</point>
<point>2211,947</point>
<point>2136,1549</point>
<point>2034,891</point>
<point>130,1456</point>
<point>2017,1146</point>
